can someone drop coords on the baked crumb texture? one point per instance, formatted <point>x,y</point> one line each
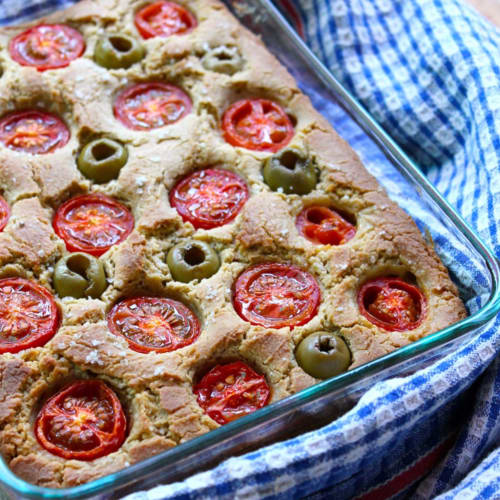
<point>156,389</point>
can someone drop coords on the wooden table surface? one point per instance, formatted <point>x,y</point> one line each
<point>488,8</point>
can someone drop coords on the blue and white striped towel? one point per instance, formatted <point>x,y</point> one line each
<point>429,71</point>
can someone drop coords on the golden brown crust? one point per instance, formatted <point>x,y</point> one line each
<point>156,389</point>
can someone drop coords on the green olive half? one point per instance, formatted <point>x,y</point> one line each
<point>79,275</point>
<point>223,59</point>
<point>291,172</point>
<point>118,51</point>
<point>102,159</point>
<point>192,260</point>
<point>323,355</point>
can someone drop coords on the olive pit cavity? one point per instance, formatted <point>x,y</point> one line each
<point>194,255</point>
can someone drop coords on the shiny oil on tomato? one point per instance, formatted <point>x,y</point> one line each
<point>275,295</point>
<point>34,132</point>
<point>154,324</point>
<point>146,106</point>
<point>92,223</point>
<point>29,316</point>
<point>164,19</point>
<point>231,391</point>
<point>257,124</point>
<point>83,421</point>
<point>209,198</point>
<point>325,226</point>
<point>392,304</point>
<point>4,213</point>
<point>47,46</point>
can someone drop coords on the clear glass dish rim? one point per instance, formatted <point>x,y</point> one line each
<point>475,321</point>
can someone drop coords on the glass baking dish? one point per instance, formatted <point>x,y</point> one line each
<point>320,404</point>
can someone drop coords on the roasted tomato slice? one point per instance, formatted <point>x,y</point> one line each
<point>392,304</point>
<point>29,316</point>
<point>4,213</point>
<point>47,46</point>
<point>231,391</point>
<point>83,421</point>
<point>154,324</point>
<point>92,223</point>
<point>33,132</point>
<point>275,295</point>
<point>146,106</point>
<point>324,225</point>
<point>209,198</point>
<point>164,19</point>
<point>257,124</point>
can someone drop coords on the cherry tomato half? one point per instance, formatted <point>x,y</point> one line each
<point>257,124</point>
<point>209,198</point>
<point>154,324</point>
<point>231,391</point>
<point>47,46</point>
<point>83,421</point>
<point>146,106</point>
<point>29,316</point>
<point>324,225</point>
<point>275,295</point>
<point>164,19</point>
<point>4,213</point>
<point>92,223</point>
<point>392,304</point>
<point>33,132</point>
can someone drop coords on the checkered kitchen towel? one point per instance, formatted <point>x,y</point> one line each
<point>429,71</point>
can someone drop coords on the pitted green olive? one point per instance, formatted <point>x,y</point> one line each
<point>291,172</point>
<point>118,51</point>
<point>192,260</point>
<point>79,275</point>
<point>102,159</point>
<point>223,59</point>
<point>323,355</point>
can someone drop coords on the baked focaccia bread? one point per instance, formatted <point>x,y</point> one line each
<point>184,238</point>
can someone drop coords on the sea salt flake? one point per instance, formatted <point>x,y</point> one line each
<point>93,358</point>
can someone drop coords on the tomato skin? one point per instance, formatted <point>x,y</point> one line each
<point>75,211</point>
<point>324,226</point>
<point>218,198</point>
<point>275,295</point>
<point>392,304</point>
<point>33,132</point>
<point>164,19</point>
<point>4,213</point>
<point>34,310</point>
<point>47,46</point>
<point>146,106</point>
<point>142,321</point>
<point>85,414</point>
<point>231,391</point>
<point>257,124</point>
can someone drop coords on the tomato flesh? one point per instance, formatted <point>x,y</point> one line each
<point>29,316</point>
<point>325,226</point>
<point>209,198</point>
<point>147,106</point>
<point>83,421</point>
<point>275,295</point>
<point>231,391</point>
<point>4,213</point>
<point>392,304</point>
<point>257,124</point>
<point>92,223</point>
<point>164,19</point>
<point>33,132</point>
<point>47,46</point>
<point>154,324</point>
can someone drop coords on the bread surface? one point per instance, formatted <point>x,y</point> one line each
<point>156,388</point>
